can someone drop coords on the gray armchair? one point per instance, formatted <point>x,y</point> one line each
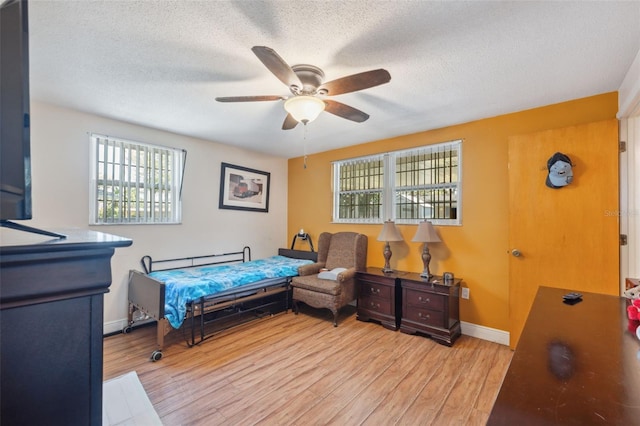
<point>340,250</point>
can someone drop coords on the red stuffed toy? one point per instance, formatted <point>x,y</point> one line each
<point>633,310</point>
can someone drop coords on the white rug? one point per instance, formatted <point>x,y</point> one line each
<point>125,403</point>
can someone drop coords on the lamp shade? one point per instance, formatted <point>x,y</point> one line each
<point>389,232</point>
<point>426,233</point>
<point>304,108</point>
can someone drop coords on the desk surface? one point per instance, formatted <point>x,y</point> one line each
<point>574,364</point>
<point>16,242</point>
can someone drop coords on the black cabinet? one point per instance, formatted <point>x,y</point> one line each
<point>51,326</point>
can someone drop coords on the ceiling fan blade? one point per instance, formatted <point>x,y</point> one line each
<point>355,82</point>
<point>277,66</point>
<point>345,111</point>
<point>250,98</point>
<point>289,122</point>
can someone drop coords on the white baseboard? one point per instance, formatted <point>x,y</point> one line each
<point>485,333</point>
<point>114,326</point>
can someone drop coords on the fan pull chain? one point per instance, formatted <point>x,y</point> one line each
<point>304,145</point>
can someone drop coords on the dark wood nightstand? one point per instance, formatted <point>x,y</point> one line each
<point>430,307</point>
<point>379,297</point>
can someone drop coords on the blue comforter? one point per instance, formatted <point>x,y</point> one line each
<point>186,285</point>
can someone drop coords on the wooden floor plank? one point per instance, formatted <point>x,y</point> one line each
<point>494,377</point>
<point>298,369</point>
<point>396,402</point>
<point>465,390</point>
<point>391,376</point>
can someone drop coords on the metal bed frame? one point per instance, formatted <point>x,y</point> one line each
<point>147,296</point>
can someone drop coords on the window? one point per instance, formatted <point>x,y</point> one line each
<point>133,182</point>
<point>358,188</point>
<point>407,186</point>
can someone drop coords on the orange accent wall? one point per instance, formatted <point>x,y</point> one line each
<point>476,251</point>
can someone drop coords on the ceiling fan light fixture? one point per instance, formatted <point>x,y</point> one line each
<point>304,108</point>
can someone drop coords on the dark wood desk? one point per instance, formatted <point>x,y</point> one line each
<point>51,316</point>
<point>574,364</point>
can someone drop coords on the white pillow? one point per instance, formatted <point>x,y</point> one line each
<point>331,275</point>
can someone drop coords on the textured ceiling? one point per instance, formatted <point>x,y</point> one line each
<point>162,63</point>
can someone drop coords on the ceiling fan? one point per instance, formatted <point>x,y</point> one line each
<point>305,83</point>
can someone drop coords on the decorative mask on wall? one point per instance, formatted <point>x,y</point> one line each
<point>560,172</point>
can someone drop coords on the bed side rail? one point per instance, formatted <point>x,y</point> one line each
<point>149,265</point>
<point>147,294</point>
<point>299,254</point>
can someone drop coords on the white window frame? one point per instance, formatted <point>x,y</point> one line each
<point>388,191</point>
<point>381,192</point>
<point>154,187</point>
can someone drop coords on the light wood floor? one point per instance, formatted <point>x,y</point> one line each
<point>300,370</point>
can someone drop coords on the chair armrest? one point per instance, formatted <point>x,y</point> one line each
<point>346,275</point>
<point>310,269</point>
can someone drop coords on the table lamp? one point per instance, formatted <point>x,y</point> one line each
<point>426,234</point>
<point>389,233</point>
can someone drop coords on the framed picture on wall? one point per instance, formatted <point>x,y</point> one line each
<point>242,188</point>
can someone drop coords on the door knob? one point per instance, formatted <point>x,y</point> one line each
<point>516,253</point>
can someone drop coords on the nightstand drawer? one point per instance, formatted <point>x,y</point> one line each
<point>425,300</point>
<point>375,304</point>
<point>425,316</point>
<point>370,288</point>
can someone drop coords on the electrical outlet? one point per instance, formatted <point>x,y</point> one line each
<point>465,293</point>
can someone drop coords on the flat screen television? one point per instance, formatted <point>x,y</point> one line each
<point>15,133</point>
<point>15,152</point>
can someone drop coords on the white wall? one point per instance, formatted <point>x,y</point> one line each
<point>630,199</point>
<point>60,175</point>
<point>629,115</point>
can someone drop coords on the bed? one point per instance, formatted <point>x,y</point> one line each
<point>192,293</point>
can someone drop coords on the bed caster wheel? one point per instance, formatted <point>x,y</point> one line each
<point>156,355</point>
<point>128,329</point>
